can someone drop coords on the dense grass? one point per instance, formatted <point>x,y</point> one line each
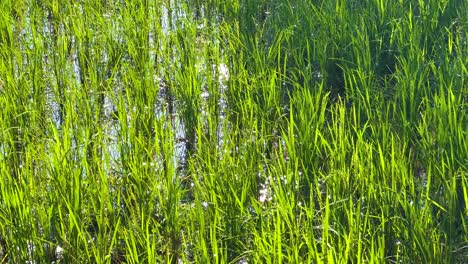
<point>247,131</point>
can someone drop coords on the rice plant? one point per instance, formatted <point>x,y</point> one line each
<point>250,131</point>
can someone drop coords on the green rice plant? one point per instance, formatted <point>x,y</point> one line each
<point>233,131</point>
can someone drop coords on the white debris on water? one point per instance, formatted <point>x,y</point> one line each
<point>242,261</point>
<point>264,194</point>
<point>59,252</point>
<point>205,95</point>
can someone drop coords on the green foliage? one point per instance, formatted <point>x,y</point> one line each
<point>252,131</point>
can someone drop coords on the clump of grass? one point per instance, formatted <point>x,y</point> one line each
<point>233,131</point>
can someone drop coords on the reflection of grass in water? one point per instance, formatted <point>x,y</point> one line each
<point>250,131</point>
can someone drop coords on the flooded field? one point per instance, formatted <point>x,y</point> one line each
<point>252,131</point>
